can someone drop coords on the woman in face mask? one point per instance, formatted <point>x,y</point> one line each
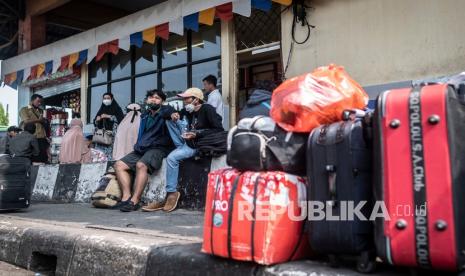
<point>108,117</point>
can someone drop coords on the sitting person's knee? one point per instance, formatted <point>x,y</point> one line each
<point>141,166</point>
<point>120,166</point>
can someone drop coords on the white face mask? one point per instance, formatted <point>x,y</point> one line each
<point>107,102</point>
<point>190,107</point>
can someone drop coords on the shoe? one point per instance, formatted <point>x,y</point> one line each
<point>130,207</point>
<point>120,204</point>
<point>154,206</point>
<point>171,201</point>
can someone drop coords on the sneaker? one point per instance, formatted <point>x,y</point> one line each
<point>130,206</point>
<point>154,206</point>
<point>171,201</point>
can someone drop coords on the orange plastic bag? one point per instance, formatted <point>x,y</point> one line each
<point>303,103</point>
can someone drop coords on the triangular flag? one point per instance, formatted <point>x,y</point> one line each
<point>73,58</point>
<point>33,72</point>
<point>113,47</point>
<point>177,26</point>
<point>242,7</point>
<point>64,63</point>
<point>163,31</point>
<point>149,35</point>
<point>10,78</point>
<point>27,73</point>
<point>48,67</point>
<point>264,5</point>
<point>191,22</point>
<point>283,2</point>
<point>19,76</point>
<point>82,57</point>
<point>136,39</point>
<point>56,65</point>
<point>124,43</point>
<point>109,47</point>
<point>207,16</point>
<point>40,70</point>
<point>224,12</point>
<point>91,53</point>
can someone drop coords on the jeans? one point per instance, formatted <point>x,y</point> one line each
<point>182,151</point>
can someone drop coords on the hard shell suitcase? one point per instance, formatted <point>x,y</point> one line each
<point>255,216</point>
<point>339,168</point>
<point>420,176</point>
<point>15,184</point>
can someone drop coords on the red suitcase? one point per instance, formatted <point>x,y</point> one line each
<point>420,142</point>
<point>266,234</point>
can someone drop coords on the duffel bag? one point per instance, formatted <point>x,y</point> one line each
<point>108,192</point>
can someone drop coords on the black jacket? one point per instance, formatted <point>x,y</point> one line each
<point>23,145</point>
<point>202,122</point>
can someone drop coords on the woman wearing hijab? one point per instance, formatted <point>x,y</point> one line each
<point>108,117</point>
<point>128,132</point>
<point>74,148</point>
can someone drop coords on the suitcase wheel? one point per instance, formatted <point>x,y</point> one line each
<point>366,262</point>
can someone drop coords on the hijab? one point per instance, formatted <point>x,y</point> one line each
<point>112,109</point>
<point>74,148</point>
<point>127,133</point>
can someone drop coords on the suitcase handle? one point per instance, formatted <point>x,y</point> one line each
<point>331,170</point>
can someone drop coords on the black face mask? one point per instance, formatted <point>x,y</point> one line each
<point>154,107</point>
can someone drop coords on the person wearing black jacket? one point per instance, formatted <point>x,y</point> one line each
<point>195,121</point>
<point>153,144</point>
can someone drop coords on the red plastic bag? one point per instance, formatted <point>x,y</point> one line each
<point>303,103</point>
<point>273,234</point>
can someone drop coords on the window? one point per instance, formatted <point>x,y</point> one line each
<point>172,66</point>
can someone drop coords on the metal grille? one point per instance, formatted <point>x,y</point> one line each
<point>259,29</point>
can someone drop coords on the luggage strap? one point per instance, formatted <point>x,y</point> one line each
<point>418,177</point>
<point>331,162</point>
<point>230,211</point>
<point>252,239</point>
<point>213,212</point>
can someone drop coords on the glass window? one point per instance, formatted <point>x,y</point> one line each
<point>201,70</point>
<point>143,84</point>
<point>146,58</point>
<point>174,81</point>
<point>174,51</point>
<point>96,94</point>
<point>122,93</point>
<point>121,65</point>
<point>99,71</point>
<point>206,43</point>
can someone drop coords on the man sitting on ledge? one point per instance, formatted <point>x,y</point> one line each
<point>153,144</point>
<point>196,120</point>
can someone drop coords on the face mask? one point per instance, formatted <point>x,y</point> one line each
<point>107,102</point>
<point>153,106</point>
<point>190,108</point>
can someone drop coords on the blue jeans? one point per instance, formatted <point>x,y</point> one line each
<point>182,151</point>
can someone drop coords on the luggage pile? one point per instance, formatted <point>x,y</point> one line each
<point>398,168</point>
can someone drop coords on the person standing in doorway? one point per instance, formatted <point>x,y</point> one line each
<point>33,114</point>
<point>213,95</point>
<point>108,117</point>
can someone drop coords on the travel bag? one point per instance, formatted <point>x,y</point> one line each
<point>15,183</point>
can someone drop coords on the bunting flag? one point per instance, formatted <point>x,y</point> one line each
<point>19,76</point>
<point>191,22</point>
<point>73,58</point>
<point>163,31</point>
<point>264,5</point>
<point>109,47</point>
<point>27,73</point>
<point>224,12</point>
<point>48,67</point>
<point>40,70</point>
<point>56,65</point>
<point>242,7</point>
<point>33,74</point>
<point>82,57</point>
<point>124,43</point>
<point>149,35</point>
<point>64,63</point>
<point>177,26</point>
<point>283,2</point>
<point>91,53</point>
<point>207,16</point>
<point>10,78</point>
<point>136,39</point>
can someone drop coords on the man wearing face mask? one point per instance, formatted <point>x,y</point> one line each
<point>196,120</point>
<point>33,114</point>
<point>153,144</point>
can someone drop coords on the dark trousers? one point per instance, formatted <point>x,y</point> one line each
<point>43,151</point>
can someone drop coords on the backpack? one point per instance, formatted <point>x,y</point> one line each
<point>108,192</point>
<point>212,144</point>
<point>259,144</point>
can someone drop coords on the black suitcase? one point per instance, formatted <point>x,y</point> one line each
<point>339,171</point>
<point>15,184</point>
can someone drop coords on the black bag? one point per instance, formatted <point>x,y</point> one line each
<point>258,144</point>
<point>339,168</point>
<point>15,184</point>
<point>212,145</point>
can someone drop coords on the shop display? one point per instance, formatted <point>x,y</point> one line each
<point>58,119</point>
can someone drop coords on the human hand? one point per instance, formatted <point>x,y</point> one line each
<point>189,135</point>
<point>98,118</point>
<point>105,116</point>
